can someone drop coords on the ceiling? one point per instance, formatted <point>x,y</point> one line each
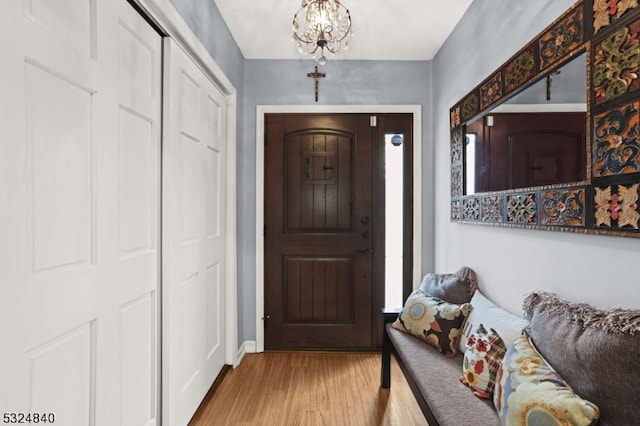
<point>382,29</point>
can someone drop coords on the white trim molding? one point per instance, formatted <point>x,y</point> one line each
<point>247,347</point>
<point>261,110</point>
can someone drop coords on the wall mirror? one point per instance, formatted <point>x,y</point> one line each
<point>550,140</point>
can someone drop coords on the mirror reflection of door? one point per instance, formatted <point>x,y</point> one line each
<point>547,157</point>
<point>324,230</point>
<point>520,150</point>
<point>537,137</point>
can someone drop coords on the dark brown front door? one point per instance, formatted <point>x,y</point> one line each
<point>318,244</point>
<point>325,225</point>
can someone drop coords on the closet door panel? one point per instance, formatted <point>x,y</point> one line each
<point>194,170</point>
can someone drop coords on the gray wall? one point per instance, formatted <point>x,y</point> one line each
<point>513,262</point>
<point>487,35</point>
<point>204,19</point>
<point>280,82</point>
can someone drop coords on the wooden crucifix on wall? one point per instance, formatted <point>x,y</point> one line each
<point>316,75</point>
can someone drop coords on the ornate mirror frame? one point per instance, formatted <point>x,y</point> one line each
<point>607,201</point>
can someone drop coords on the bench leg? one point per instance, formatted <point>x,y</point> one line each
<point>385,372</point>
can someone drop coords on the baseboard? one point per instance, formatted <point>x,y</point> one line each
<point>247,347</point>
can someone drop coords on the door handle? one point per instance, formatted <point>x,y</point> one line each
<point>364,251</point>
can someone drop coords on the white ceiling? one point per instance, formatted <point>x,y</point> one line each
<point>382,29</point>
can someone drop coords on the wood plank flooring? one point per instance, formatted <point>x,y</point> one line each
<point>300,388</point>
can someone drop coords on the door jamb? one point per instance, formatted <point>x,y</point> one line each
<point>261,110</point>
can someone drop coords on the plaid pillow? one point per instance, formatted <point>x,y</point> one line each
<point>482,358</point>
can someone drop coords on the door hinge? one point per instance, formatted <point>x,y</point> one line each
<point>373,121</point>
<point>264,232</point>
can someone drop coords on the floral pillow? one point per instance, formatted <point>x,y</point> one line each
<point>433,320</point>
<point>529,392</point>
<point>482,358</point>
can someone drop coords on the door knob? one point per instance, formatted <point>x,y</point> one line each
<point>364,220</point>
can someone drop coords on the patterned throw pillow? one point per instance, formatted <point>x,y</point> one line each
<point>433,320</point>
<point>484,311</point>
<point>529,392</point>
<point>482,358</point>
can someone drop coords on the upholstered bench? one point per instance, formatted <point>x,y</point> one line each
<point>561,363</point>
<point>433,378</point>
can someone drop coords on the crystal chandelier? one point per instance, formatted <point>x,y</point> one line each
<point>320,25</point>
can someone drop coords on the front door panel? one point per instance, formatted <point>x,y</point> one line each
<point>318,218</point>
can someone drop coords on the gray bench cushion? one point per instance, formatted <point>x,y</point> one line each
<point>451,402</point>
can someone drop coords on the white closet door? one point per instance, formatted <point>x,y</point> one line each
<point>194,167</point>
<point>79,211</point>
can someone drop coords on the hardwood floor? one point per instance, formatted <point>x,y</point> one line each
<point>279,388</point>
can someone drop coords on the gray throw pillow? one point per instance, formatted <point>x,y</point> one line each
<point>453,288</point>
<point>594,351</point>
